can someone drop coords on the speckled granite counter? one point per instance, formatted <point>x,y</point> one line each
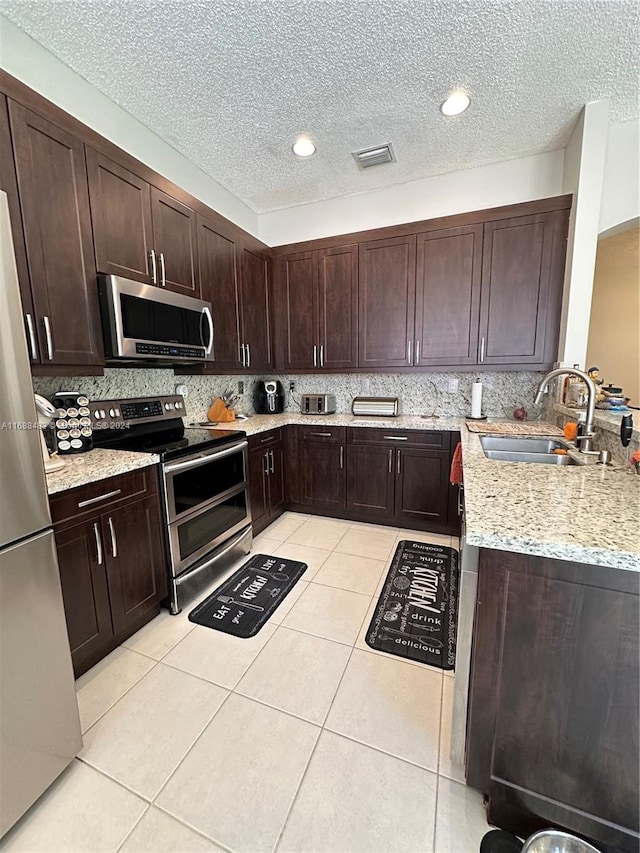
<point>96,465</point>
<point>583,513</point>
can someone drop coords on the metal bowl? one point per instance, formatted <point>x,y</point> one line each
<point>555,841</point>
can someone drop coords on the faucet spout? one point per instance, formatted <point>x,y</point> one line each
<point>585,439</point>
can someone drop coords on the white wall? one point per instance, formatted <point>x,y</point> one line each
<point>584,159</point>
<point>456,192</point>
<point>24,58</point>
<point>621,188</point>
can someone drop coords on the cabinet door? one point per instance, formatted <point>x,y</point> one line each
<point>121,214</point>
<point>9,185</point>
<point>448,278</point>
<point>386,300</point>
<point>323,481</point>
<point>81,557</point>
<point>338,306</point>
<point>370,480</point>
<point>296,285</point>
<point>135,559</point>
<point>422,487</point>
<point>219,285</point>
<point>256,309</point>
<point>277,495</point>
<point>258,493</point>
<point>52,183</point>
<point>519,284</point>
<point>175,242</point>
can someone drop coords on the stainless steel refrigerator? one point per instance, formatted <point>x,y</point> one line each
<point>39,723</point>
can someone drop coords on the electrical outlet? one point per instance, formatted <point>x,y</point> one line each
<point>240,387</point>
<point>292,385</point>
<point>453,384</point>
<point>365,385</point>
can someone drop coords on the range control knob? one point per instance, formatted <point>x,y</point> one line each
<point>117,411</point>
<point>167,406</point>
<point>176,405</point>
<point>112,413</point>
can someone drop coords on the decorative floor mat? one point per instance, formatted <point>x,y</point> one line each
<point>417,611</point>
<point>245,601</point>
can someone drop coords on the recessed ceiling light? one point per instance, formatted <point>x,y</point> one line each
<point>304,147</point>
<point>456,103</point>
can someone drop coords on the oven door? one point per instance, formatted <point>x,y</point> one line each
<point>204,479</point>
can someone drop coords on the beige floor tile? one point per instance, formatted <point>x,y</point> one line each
<point>347,571</point>
<point>334,614</point>
<point>319,533</point>
<point>101,687</point>
<point>424,536</point>
<point>82,811</point>
<point>161,634</point>
<point>353,799</point>
<point>265,542</point>
<point>157,832</point>
<point>143,738</point>
<point>390,705</point>
<point>313,557</point>
<point>285,606</point>
<point>448,767</point>
<point>237,783</point>
<point>460,818</point>
<point>284,526</point>
<point>375,528</point>
<point>367,543</point>
<point>297,673</point>
<point>216,656</point>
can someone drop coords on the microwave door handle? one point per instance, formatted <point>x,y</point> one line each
<point>206,313</point>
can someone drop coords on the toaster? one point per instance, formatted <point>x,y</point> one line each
<point>377,406</point>
<point>318,404</point>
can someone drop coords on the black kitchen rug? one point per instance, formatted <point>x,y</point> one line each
<point>245,601</point>
<point>417,611</point>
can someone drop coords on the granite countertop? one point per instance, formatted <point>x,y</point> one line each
<point>585,513</point>
<point>83,468</point>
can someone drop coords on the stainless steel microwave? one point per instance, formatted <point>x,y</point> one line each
<point>142,322</point>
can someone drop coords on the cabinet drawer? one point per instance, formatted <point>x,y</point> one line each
<point>264,439</point>
<point>391,437</point>
<point>322,433</point>
<point>85,500</point>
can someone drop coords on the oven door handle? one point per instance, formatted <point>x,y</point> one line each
<point>206,313</point>
<point>205,458</point>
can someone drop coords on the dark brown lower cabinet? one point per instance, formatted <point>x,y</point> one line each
<point>422,488</point>
<point>266,478</point>
<point>553,713</point>
<point>112,563</point>
<point>322,475</point>
<point>370,481</point>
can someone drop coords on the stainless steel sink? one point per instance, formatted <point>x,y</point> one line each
<point>517,449</point>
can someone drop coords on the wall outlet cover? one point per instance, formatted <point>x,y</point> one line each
<point>453,383</point>
<point>240,387</point>
<point>183,390</point>
<point>292,385</point>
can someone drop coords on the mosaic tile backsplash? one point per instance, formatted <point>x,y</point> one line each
<point>419,393</point>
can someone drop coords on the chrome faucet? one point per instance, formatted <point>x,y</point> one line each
<point>585,439</point>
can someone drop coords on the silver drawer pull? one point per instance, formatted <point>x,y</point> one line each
<point>99,498</point>
<point>265,440</point>
<point>114,544</point>
<point>396,437</point>
<point>322,434</point>
<point>96,533</point>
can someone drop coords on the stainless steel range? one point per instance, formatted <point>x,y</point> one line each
<point>204,485</point>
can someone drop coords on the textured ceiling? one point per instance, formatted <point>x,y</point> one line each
<point>231,83</point>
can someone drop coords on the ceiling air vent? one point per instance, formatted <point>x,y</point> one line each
<point>374,156</point>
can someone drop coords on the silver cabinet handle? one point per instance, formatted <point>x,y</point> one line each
<point>112,533</point>
<point>47,329</point>
<point>96,533</point>
<point>273,464</point>
<point>398,468</point>
<point>482,342</point>
<point>267,440</point>
<point>341,456</point>
<point>460,500</point>
<point>163,271</point>
<point>242,355</point>
<point>321,355</point>
<point>417,352</point>
<point>315,355</point>
<point>396,437</point>
<point>154,268</point>
<point>248,355</point>
<point>99,498</point>
<point>390,460</point>
<point>32,337</point>
<point>322,434</point>
<point>409,351</point>
<point>265,459</point>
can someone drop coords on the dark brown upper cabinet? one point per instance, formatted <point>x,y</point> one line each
<point>219,285</point>
<point>448,280</point>
<point>255,345</point>
<point>139,231</point>
<point>522,272</point>
<point>387,277</point>
<point>316,295</point>
<point>52,185</point>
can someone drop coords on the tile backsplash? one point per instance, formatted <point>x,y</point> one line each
<point>419,393</point>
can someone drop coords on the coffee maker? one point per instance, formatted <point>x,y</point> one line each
<point>268,397</point>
